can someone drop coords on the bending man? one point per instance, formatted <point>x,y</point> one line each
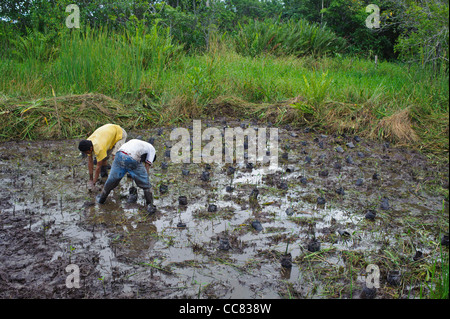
<point>134,157</point>
<point>104,142</point>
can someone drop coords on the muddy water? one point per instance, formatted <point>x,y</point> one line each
<point>49,220</point>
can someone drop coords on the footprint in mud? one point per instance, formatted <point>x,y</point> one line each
<point>256,224</point>
<point>418,256</point>
<point>370,214</point>
<point>314,245</point>
<point>384,205</point>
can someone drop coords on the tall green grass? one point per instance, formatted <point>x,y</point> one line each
<point>92,60</point>
<point>111,63</point>
<point>145,66</point>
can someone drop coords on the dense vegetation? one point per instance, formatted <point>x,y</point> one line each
<point>151,62</point>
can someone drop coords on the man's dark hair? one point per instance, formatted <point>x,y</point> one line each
<point>85,145</point>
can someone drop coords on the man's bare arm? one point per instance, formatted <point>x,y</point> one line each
<point>97,171</point>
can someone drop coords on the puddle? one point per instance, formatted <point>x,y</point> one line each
<point>50,220</point>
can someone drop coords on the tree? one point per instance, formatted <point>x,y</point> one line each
<point>310,10</point>
<point>424,38</point>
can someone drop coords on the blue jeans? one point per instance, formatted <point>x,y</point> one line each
<point>126,164</point>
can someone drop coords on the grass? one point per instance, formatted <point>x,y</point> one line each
<point>424,278</point>
<point>143,79</point>
<point>438,273</point>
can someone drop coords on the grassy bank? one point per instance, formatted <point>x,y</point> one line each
<point>140,80</point>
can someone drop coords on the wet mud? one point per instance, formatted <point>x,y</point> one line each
<point>335,204</point>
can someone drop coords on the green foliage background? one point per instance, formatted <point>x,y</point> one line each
<point>405,23</point>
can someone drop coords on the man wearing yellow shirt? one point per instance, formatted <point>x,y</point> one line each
<point>104,142</point>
